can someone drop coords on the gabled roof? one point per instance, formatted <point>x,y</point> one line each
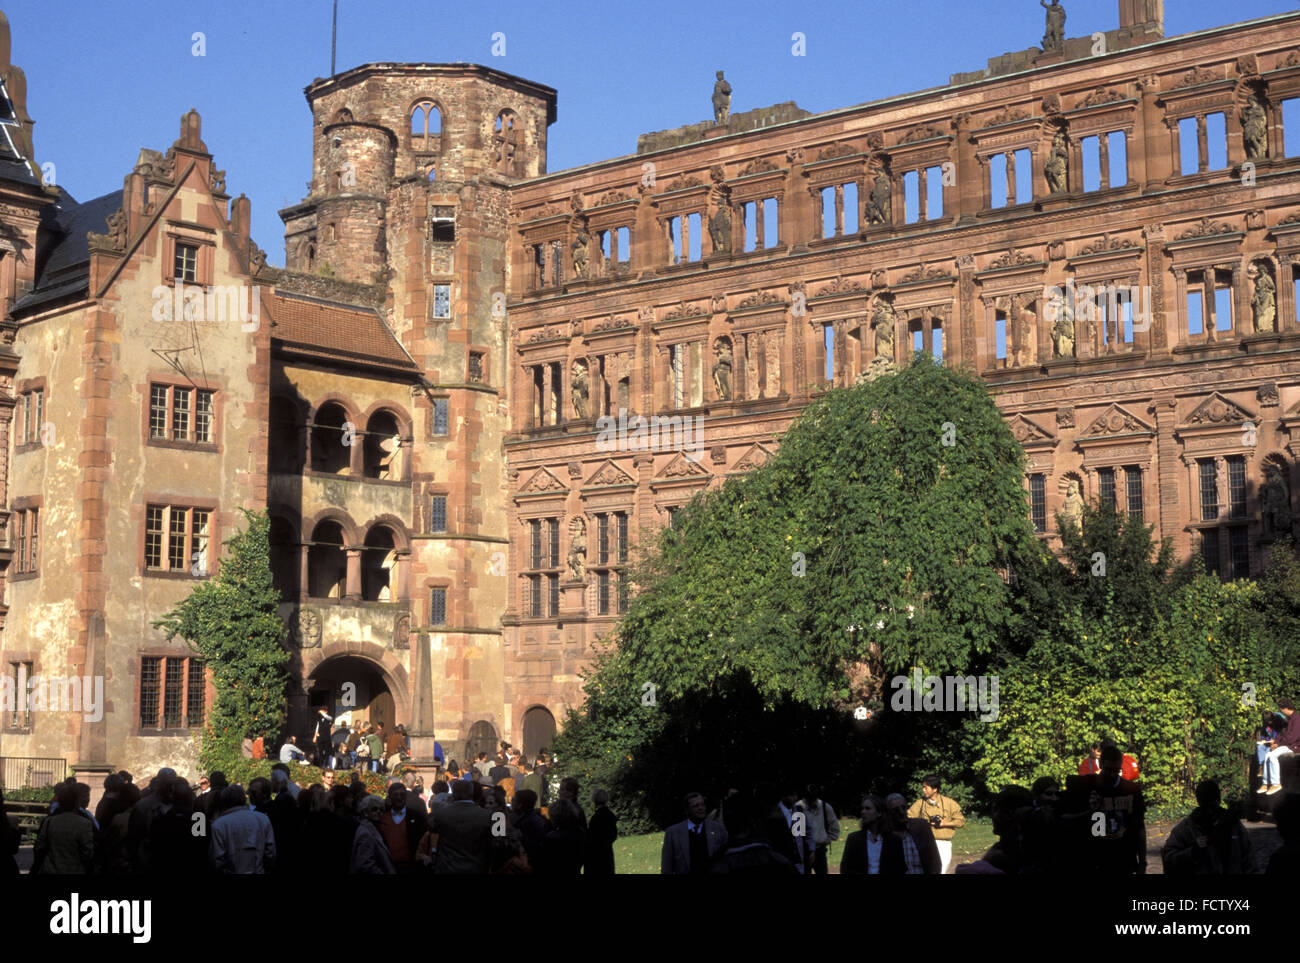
<point>333,333</point>
<point>63,256</point>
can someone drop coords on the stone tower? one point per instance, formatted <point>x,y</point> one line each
<point>412,166</point>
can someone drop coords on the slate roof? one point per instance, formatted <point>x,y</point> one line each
<point>63,258</point>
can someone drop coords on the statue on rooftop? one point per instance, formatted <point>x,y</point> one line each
<point>721,100</point>
<point>1054,39</point>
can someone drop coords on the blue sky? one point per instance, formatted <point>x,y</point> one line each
<point>107,77</point>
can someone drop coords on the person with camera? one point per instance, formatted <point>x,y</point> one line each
<point>943,814</point>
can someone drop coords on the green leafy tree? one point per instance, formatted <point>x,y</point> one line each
<point>880,537</point>
<point>232,623</point>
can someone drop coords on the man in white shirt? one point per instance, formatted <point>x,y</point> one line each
<point>289,752</point>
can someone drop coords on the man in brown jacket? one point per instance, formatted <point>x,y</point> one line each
<point>943,815</point>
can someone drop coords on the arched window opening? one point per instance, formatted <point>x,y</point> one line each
<point>426,126</point>
<point>328,434</point>
<point>378,564</point>
<point>327,565</point>
<point>383,448</point>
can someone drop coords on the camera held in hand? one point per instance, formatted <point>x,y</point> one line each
<point>935,821</point>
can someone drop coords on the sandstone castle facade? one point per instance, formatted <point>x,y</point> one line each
<point>423,397</point>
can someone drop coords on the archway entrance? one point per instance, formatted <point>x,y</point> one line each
<point>482,738</point>
<point>352,688</point>
<point>539,731</point>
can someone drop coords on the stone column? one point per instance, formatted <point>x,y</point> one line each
<point>1011,178</point>
<point>303,569</point>
<point>353,592</point>
<point>739,383</point>
<point>1286,308</point>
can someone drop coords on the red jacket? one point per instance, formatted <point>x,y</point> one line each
<point>1128,770</point>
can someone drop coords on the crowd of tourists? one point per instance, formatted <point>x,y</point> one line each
<point>497,815</point>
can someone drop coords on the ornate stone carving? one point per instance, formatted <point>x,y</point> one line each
<point>575,469</point>
<point>1065,416</point>
<point>840,286</point>
<point>756,457</point>
<point>402,632</point>
<point>579,388</point>
<point>581,242</point>
<point>794,155</point>
<point>883,322</point>
<point>1057,167</point>
<point>1107,243</point>
<point>1012,258</point>
<point>115,238</point>
<point>1247,65</point>
<point>876,140</point>
<point>921,132</point>
<point>1056,251</point>
<point>1205,228</point>
<point>720,229</point>
<point>683,310</point>
<point>1254,130</point>
<point>924,274</point>
<point>612,197</point>
<point>307,629</point>
<point>578,549</point>
<point>1025,431</point>
<point>1115,421</point>
<point>1292,60</point>
<point>761,297</point>
<point>1007,116</point>
<point>880,207</point>
<point>550,333</point>
<point>610,474</point>
<point>722,369</point>
<point>879,279</point>
<point>1051,103</point>
<point>1275,502</point>
<point>836,150</point>
<point>683,467</point>
<point>1268,395</point>
<point>721,100</point>
<point>1101,95</point>
<point>718,454</point>
<point>1054,35</point>
<point>1063,333</point>
<point>613,324</point>
<point>1263,302</point>
<point>645,315</point>
<point>1072,511</point>
<point>1218,410</point>
<point>542,481</point>
<point>1198,75</point>
<point>760,165</point>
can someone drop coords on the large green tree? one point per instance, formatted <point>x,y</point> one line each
<point>880,537</point>
<point>232,623</point>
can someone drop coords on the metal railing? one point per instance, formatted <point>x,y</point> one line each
<point>30,772</point>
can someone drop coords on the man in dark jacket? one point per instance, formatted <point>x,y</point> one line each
<point>602,830</point>
<point>65,843</point>
<point>747,852</point>
<point>900,858</point>
<point>691,845</point>
<point>1209,841</point>
<point>531,825</point>
<point>464,833</point>
<point>1118,810</point>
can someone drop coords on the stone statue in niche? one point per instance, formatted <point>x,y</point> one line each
<point>1263,303</point>
<point>1063,334</point>
<point>720,229</point>
<point>1054,38</point>
<point>1026,335</point>
<point>1254,130</point>
<point>883,322</point>
<point>880,207</point>
<point>754,344</point>
<point>1057,168</point>
<point>1073,508</point>
<point>578,550</point>
<point>580,388</point>
<point>579,247</point>
<point>390,465</point>
<point>722,369</point>
<point>721,100</point>
<point>1275,502</point>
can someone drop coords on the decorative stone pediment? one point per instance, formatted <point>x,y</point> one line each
<point>755,457</point>
<point>1217,410</point>
<point>683,466</point>
<point>1029,433</point>
<point>542,481</point>
<point>609,474</point>
<point>1116,421</point>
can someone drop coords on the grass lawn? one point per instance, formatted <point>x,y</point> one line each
<point>639,855</point>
